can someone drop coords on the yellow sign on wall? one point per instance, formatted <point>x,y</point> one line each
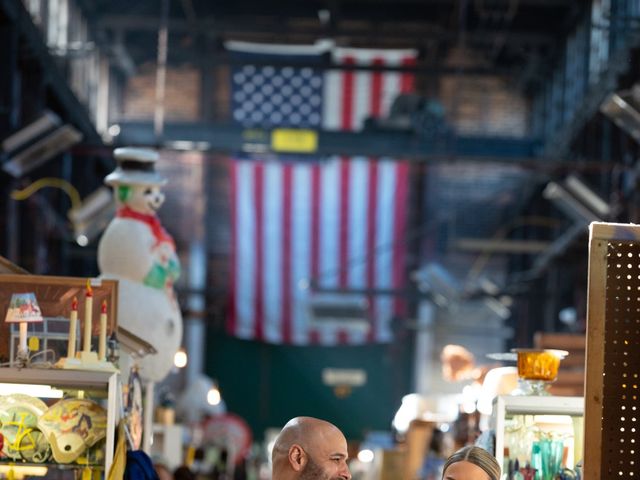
<point>291,140</point>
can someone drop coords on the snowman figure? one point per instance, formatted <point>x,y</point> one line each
<point>137,251</point>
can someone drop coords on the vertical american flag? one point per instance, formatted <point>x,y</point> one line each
<point>336,223</point>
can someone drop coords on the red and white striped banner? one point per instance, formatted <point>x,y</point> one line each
<point>336,223</point>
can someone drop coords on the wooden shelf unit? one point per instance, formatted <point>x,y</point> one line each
<point>612,383</point>
<point>100,384</point>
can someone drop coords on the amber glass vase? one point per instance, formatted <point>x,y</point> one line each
<point>536,369</point>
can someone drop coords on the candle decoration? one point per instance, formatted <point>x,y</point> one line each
<point>73,327</point>
<point>88,312</point>
<point>86,359</point>
<point>102,339</point>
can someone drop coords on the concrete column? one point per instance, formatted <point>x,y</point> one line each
<point>194,331</point>
<point>423,366</point>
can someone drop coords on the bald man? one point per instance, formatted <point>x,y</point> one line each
<point>308,448</point>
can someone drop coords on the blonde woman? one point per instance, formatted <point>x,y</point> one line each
<point>471,463</point>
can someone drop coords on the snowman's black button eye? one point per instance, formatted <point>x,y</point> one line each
<point>67,447</point>
<point>148,191</point>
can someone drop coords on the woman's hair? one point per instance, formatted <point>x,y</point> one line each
<point>479,457</point>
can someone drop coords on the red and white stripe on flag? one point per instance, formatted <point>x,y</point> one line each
<point>338,223</point>
<point>350,96</point>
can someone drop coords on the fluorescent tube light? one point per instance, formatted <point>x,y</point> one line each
<point>40,391</point>
<point>20,471</point>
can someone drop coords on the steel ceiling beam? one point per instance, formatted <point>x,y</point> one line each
<point>235,139</point>
<point>560,142</point>
<point>253,25</point>
<point>326,63</point>
<point>9,94</point>
<point>483,245</point>
<point>74,111</point>
<point>487,3</point>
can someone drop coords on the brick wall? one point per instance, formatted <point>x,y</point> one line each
<point>484,105</point>
<point>182,94</point>
<point>474,105</point>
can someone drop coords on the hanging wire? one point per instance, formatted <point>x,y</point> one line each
<point>506,17</point>
<point>379,249</point>
<point>63,185</point>
<point>43,364</point>
<point>534,221</point>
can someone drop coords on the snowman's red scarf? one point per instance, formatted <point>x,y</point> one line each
<point>160,234</point>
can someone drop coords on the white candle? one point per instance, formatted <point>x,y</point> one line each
<point>88,310</point>
<point>22,340</point>
<point>102,340</point>
<point>73,326</point>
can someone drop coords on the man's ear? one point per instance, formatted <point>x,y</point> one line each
<point>297,457</point>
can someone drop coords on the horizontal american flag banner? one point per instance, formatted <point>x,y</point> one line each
<point>307,225</point>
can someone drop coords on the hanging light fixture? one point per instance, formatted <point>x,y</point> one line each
<point>37,143</point>
<point>180,359</point>
<point>213,395</point>
<point>623,108</point>
<point>201,398</point>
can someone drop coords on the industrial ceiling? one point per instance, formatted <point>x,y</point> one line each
<point>483,189</point>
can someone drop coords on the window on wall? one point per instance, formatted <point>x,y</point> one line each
<point>35,8</point>
<point>57,24</point>
<point>575,68</point>
<point>67,34</point>
<point>599,44</point>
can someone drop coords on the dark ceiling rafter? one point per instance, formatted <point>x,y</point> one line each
<point>411,31</point>
<point>500,38</point>
<point>189,11</point>
<point>561,141</point>
<point>425,70</point>
<point>426,67</point>
<point>74,111</point>
<point>311,7</point>
<point>486,3</point>
<point>218,137</point>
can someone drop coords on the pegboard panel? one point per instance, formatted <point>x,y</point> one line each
<point>612,390</point>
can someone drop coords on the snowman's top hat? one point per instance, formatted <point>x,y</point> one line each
<point>135,166</point>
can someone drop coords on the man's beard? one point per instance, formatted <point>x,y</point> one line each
<point>313,471</point>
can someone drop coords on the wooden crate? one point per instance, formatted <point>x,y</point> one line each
<point>418,438</point>
<point>612,430</point>
<point>389,464</point>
